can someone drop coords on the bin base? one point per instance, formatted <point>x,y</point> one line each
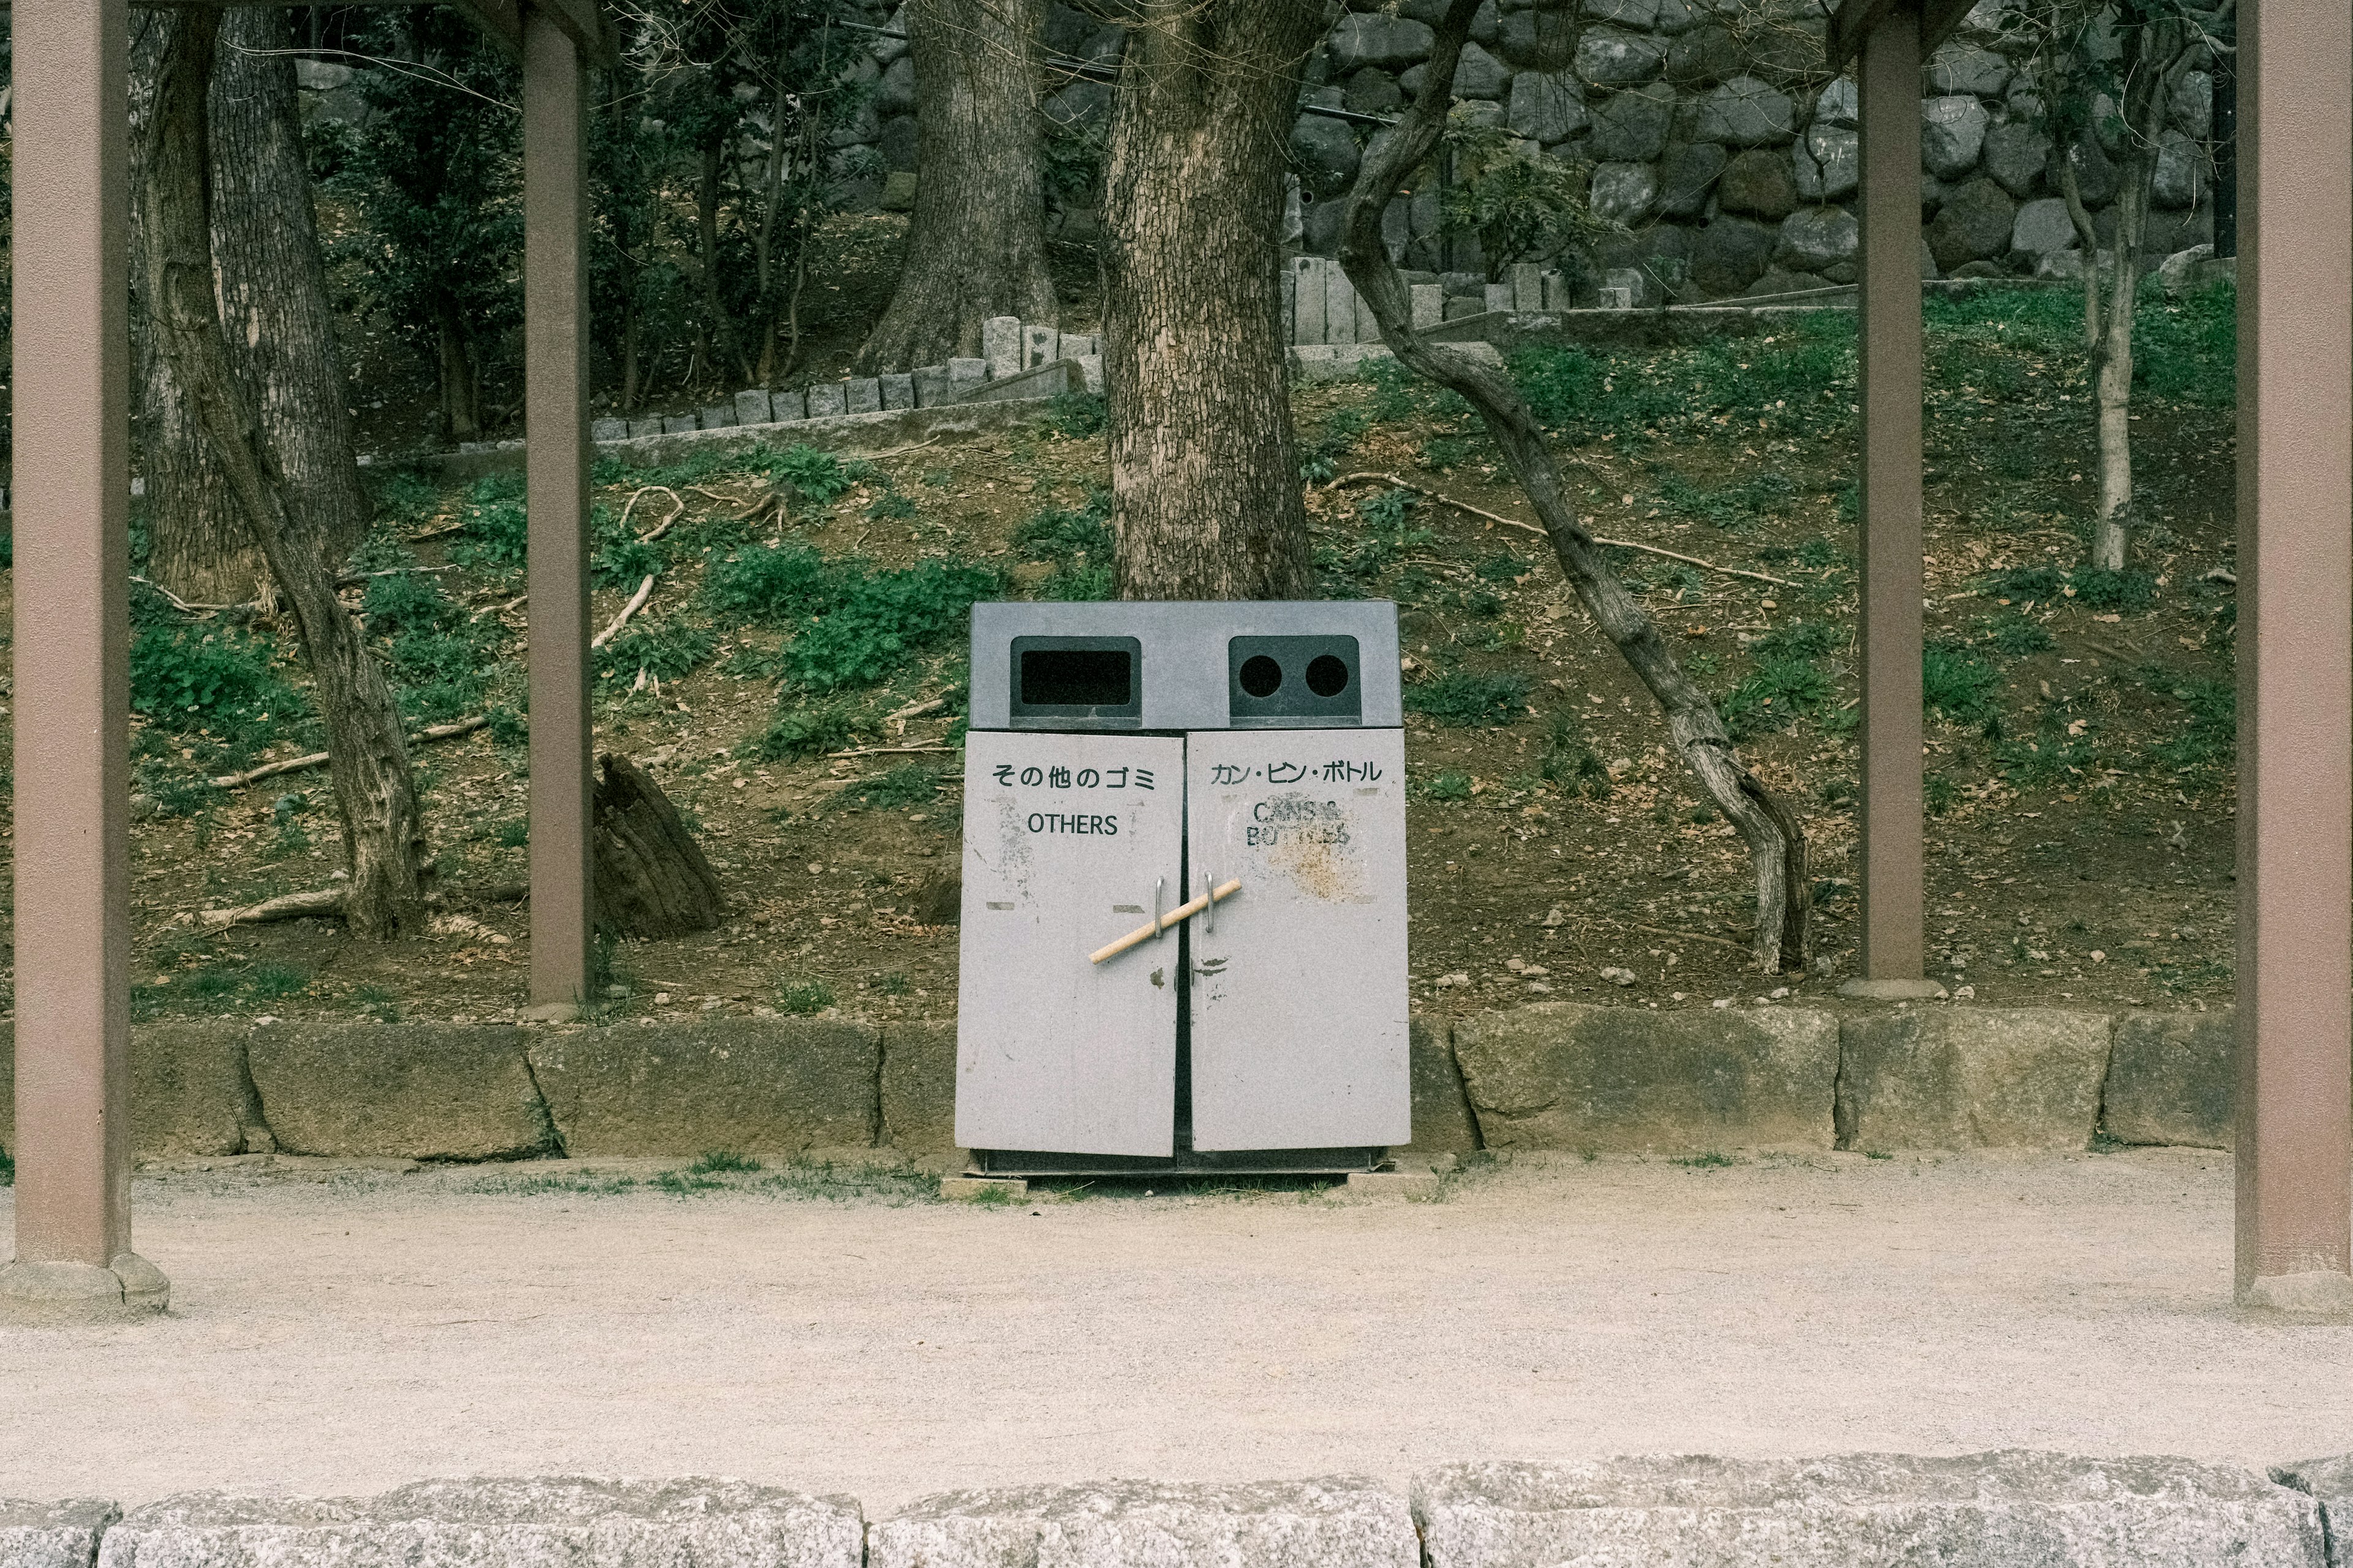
<point>1185,1163</point>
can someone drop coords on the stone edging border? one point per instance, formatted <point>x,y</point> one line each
<point>2008,1508</point>
<point>1550,1076</point>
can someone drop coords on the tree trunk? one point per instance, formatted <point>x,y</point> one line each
<point>1776,841</point>
<point>726,355</point>
<point>367,754</point>
<point>651,878</point>
<point>2113,374</point>
<point>977,242</point>
<point>281,343</point>
<point>461,387</point>
<point>1205,478</point>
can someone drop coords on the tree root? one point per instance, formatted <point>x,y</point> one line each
<point>327,904</point>
<point>319,759</point>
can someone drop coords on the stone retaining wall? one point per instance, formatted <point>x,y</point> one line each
<point>1553,1076</point>
<point>2012,1509</point>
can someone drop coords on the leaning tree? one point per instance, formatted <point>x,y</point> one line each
<point>1775,839</point>
<point>367,753</point>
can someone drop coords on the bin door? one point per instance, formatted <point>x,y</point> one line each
<point>1299,1000</point>
<point>1064,835</point>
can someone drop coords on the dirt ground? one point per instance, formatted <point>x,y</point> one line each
<point>341,1333</point>
<point>2079,779</point>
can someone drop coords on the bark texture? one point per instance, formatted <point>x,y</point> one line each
<point>367,754</point>
<point>1776,841</point>
<point>977,243</point>
<point>1206,499</point>
<point>651,878</point>
<point>280,332</point>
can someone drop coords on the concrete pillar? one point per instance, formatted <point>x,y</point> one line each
<point>1307,300</point>
<point>1888,73</point>
<point>555,392</point>
<point>73,1259</point>
<point>1000,345</point>
<point>2294,1136</point>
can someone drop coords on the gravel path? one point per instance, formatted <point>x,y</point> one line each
<point>350,1334</point>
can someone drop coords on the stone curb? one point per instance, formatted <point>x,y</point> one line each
<point>1551,1076</point>
<point>2007,1508</point>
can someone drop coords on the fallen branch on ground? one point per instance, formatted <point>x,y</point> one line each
<point>1444,500</point>
<point>637,600</point>
<point>319,759</point>
<point>889,751</point>
<point>328,902</point>
<point>677,511</point>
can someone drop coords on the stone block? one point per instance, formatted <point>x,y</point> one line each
<point>679,424</point>
<point>1444,1123</point>
<point>1368,326</point>
<point>1814,239</point>
<point>1623,194</point>
<point>717,416</point>
<point>415,1091</point>
<point>919,1080</point>
<point>1971,1077</point>
<point>1687,177</point>
<point>1631,127</point>
<point>1038,346</point>
<point>753,1086</point>
<point>2012,1509</point>
<point>1000,344</point>
<point>1498,296</point>
<point>1325,151</point>
<point>1960,68</point>
<point>1545,106</point>
<point>1374,39</point>
<point>826,399</point>
<point>1076,345</point>
<point>1746,112</point>
<point>2330,1483</point>
<point>1091,369</point>
<point>1480,75</point>
<point>1458,306</point>
<point>1607,58</point>
<point>53,1534</point>
<point>189,1092</point>
<point>2016,154</point>
<point>1761,184</point>
<point>1343,1522</point>
<point>2172,1079</point>
<point>964,374</point>
<point>1975,223</point>
<point>552,1522</point>
<point>753,406</point>
<point>898,391</point>
<point>1730,254</point>
<point>2041,227</point>
<point>1313,362</point>
<point>1952,134</point>
<point>2180,170</point>
<point>1561,1075</point>
<point>1049,380</point>
<point>648,427</point>
<point>788,407</point>
<point>1307,309</point>
<point>930,386</point>
<point>864,393</point>
<point>983,1189</point>
<point>1428,302</point>
<point>1527,281</point>
<point>1339,306</point>
<point>609,430</point>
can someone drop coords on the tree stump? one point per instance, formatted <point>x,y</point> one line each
<point>651,878</point>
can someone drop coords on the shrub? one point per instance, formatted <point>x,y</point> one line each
<point>1448,785</point>
<point>772,585</point>
<point>885,619</point>
<point>2101,589</point>
<point>439,656</point>
<point>1958,683</point>
<point>808,730</point>
<point>2017,635</point>
<point>1800,639</point>
<point>497,527</point>
<point>1460,700</point>
<point>908,784</point>
<point>804,996</point>
<point>2211,735</point>
<point>816,476</point>
<point>1077,415</point>
<point>189,677</point>
<point>1079,543</point>
<point>1778,691</point>
<point>665,650</point>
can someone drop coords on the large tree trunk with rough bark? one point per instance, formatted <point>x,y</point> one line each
<point>1776,841</point>
<point>281,343</point>
<point>1204,473</point>
<point>367,754</point>
<point>977,243</point>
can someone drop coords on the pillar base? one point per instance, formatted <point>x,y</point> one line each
<point>2327,1291</point>
<point>1892,990</point>
<point>65,1295</point>
<point>550,1013</point>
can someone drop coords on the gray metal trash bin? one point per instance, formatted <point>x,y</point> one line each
<point>1123,760</point>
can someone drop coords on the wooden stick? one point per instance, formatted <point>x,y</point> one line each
<point>319,759</point>
<point>678,508</point>
<point>890,751</point>
<point>1182,912</point>
<point>645,591</point>
<point>1532,528</point>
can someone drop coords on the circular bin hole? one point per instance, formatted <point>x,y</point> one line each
<point>1260,677</point>
<point>1328,676</point>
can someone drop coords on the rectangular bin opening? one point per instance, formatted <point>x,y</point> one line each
<point>1077,678</point>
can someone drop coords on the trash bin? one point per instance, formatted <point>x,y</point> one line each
<point>1184,939</point>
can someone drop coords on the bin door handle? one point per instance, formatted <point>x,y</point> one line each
<point>1184,911</point>
<point>1210,913</point>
